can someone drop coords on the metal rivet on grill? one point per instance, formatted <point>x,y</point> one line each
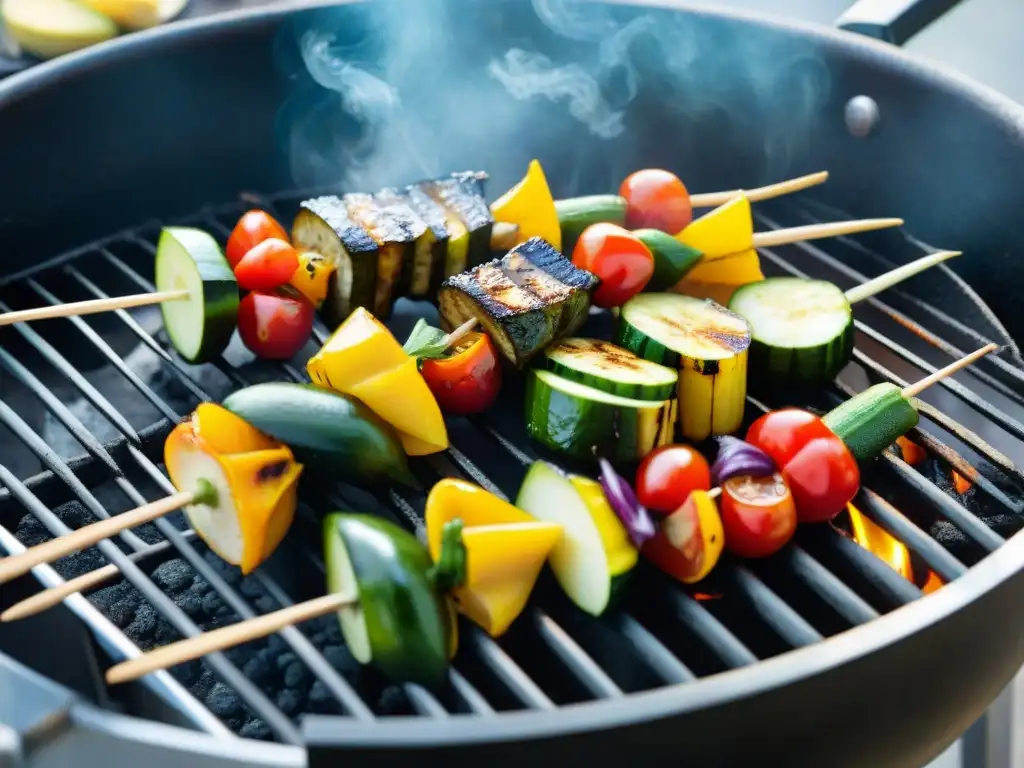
<point>862,115</point>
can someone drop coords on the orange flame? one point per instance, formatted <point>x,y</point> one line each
<point>889,550</point>
<point>961,483</point>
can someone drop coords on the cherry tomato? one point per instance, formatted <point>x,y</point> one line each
<point>469,379</point>
<point>817,466</point>
<point>656,199</point>
<point>275,326</point>
<point>268,265</point>
<point>252,229</point>
<point>758,515</point>
<point>668,475</point>
<point>622,261</point>
<point>689,542</point>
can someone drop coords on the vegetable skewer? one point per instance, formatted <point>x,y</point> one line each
<point>802,330</point>
<point>379,584</point>
<point>92,306</point>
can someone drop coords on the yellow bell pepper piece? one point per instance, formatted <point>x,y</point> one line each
<point>313,277</point>
<point>719,278</point>
<point>622,555</point>
<point>364,360</point>
<point>727,230</point>
<point>224,432</point>
<point>257,494</point>
<point>505,551</point>
<point>531,205</point>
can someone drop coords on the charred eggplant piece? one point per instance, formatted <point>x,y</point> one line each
<point>324,226</point>
<point>524,300</point>
<point>394,228</point>
<point>461,196</point>
<point>432,247</point>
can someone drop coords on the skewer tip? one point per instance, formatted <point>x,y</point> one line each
<point>916,388</point>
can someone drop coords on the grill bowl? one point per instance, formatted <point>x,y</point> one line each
<point>173,120</point>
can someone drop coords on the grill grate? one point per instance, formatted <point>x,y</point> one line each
<point>821,584</point>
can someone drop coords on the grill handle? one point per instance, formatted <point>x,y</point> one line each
<point>893,21</point>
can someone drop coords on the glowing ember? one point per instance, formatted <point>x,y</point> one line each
<point>961,483</point>
<point>912,453</point>
<point>879,542</point>
<point>932,584</point>
<point>703,596</point>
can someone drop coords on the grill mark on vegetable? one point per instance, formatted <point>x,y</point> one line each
<point>614,356</point>
<point>734,341</point>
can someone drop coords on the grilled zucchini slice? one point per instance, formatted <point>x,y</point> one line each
<point>520,304</point>
<point>430,247</point>
<point>324,226</point>
<point>394,227</point>
<point>707,343</point>
<point>461,195</point>
<point>604,366</point>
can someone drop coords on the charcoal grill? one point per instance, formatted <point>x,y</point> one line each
<point>822,655</point>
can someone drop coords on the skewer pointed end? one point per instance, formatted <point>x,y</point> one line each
<point>916,388</point>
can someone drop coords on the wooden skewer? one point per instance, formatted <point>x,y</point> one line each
<point>504,236</point>
<point>54,549</point>
<point>818,231</point>
<point>455,336</point>
<point>92,306</point>
<point>226,637</point>
<point>715,199</point>
<point>889,279</point>
<point>918,387</point>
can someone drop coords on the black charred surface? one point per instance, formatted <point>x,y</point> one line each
<point>331,210</point>
<point>462,194</point>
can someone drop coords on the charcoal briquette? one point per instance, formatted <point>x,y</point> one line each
<point>265,604</point>
<point>223,701</point>
<point>252,588</point>
<point>276,644</point>
<point>296,675</point>
<point>255,729</point>
<point>191,604</point>
<point>106,597</point>
<point>173,576</point>
<point>339,658</point>
<point>212,603</point>
<point>289,701</point>
<point>203,685</point>
<point>284,660</point>
<point>164,634</point>
<point>257,669</point>
<point>122,613</point>
<point>320,699</point>
<point>392,701</point>
<point>187,673</point>
<point>144,624</point>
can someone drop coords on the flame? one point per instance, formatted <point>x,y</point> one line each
<point>889,550</point>
<point>912,452</point>
<point>704,597</point>
<point>961,483</point>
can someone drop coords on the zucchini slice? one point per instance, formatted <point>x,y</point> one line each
<point>324,226</point>
<point>802,330</point>
<point>602,365</point>
<point>594,558</point>
<point>427,268</point>
<point>588,424</point>
<point>468,217</point>
<point>872,420</point>
<point>200,326</point>
<point>708,344</point>
<point>394,228</point>
<point>577,213</point>
<point>399,622</point>
<point>523,300</point>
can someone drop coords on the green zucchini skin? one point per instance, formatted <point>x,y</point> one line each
<point>587,429</point>
<point>324,226</point>
<point>640,344</point>
<point>433,216</point>
<point>219,290</point>
<point>799,363</point>
<point>672,259</point>
<point>326,430</point>
<point>406,618</point>
<point>609,368</point>
<point>869,422</point>
<point>462,194</point>
<point>575,214</point>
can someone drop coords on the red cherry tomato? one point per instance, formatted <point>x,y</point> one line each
<point>622,261</point>
<point>468,380</point>
<point>668,475</point>
<point>252,229</point>
<point>656,199</point>
<point>268,265</point>
<point>689,542</point>
<point>817,466</point>
<point>275,326</point>
<point>758,515</point>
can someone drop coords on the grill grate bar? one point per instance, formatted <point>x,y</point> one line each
<point>69,372</point>
<point>228,672</point>
<point>58,409</point>
<point>953,511</point>
<point>574,657</point>
<point>650,649</point>
<point>510,673</point>
<point>711,631</point>
<point>473,698</point>
<point>892,585</point>
<point>775,612</point>
<point>848,603</point>
<point>916,540</point>
<point>112,357</point>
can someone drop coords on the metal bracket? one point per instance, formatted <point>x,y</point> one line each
<point>894,21</point>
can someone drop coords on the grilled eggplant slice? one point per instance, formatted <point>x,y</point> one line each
<point>524,300</point>
<point>324,226</point>
<point>432,248</point>
<point>394,227</point>
<point>461,195</point>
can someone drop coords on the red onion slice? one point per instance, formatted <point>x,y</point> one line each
<point>622,499</point>
<point>737,457</point>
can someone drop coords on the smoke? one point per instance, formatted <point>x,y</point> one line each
<point>390,91</point>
